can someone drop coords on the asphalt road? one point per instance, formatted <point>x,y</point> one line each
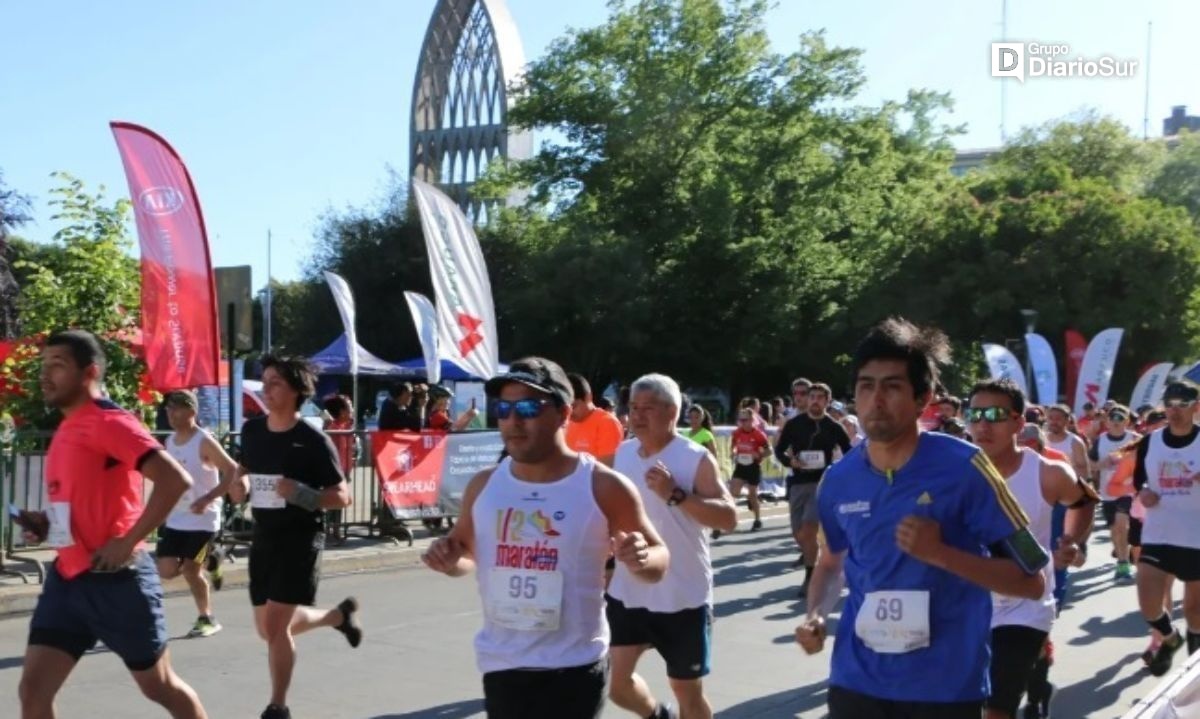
<point>416,660</point>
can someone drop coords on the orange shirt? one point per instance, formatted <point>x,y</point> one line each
<point>598,434</point>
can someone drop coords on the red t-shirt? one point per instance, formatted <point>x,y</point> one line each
<point>750,442</point>
<point>91,467</point>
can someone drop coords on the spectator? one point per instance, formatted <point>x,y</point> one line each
<point>397,412</point>
<point>340,427</point>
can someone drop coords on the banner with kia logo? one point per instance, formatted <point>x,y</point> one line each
<point>179,299</point>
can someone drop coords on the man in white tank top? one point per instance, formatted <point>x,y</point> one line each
<point>1059,438</point>
<point>1167,477</point>
<point>538,529</point>
<point>184,542</point>
<point>678,481</point>
<point>1020,627</point>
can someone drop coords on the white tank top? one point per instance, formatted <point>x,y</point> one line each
<point>1026,485</point>
<point>1066,445</point>
<point>1104,446</point>
<point>688,582</point>
<point>1174,475</point>
<point>540,549</point>
<point>205,478</point>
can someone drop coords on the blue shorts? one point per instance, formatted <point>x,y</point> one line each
<point>123,609</point>
<point>683,639</point>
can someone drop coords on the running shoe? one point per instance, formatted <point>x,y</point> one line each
<point>1160,664</point>
<point>350,626</point>
<point>216,576</point>
<point>1148,655</point>
<point>1124,571</point>
<point>204,627</point>
<point>756,526</point>
<point>716,534</point>
<point>274,711</point>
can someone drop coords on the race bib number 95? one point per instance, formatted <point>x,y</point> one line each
<point>525,600</point>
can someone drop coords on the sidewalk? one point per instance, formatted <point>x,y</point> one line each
<point>358,554</point>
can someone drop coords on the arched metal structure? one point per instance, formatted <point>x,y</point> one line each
<point>471,55</point>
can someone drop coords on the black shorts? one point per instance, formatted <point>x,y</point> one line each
<point>1181,562</point>
<point>846,704</point>
<point>570,693</point>
<point>285,568</point>
<point>683,639</point>
<point>123,609</point>
<point>1135,531</point>
<point>1112,507</point>
<point>183,544</point>
<point>1015,651</point>
<point>751,474</point>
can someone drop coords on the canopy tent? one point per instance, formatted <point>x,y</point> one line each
<point>335,359</point>
<point>451,370</point>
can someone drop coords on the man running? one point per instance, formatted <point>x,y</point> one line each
<point>1020,627</point>
<point>537,530</point>
<point>185,541</point>
<point>679,483</point>
<point>1116,508</point>
<point>1165,476</point>
<point>103,586</point>
<point>930,528</point>
<point>749,447</point>
<point>806,444</point>
<point>293,475</point>
<point>591,429</point>
<point>1059,438</point>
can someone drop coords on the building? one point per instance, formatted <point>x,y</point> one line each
<point>1180,120</point>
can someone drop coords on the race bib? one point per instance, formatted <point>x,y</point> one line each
<point>263,494</point>
<point>59,514</point>
<point>813,459</point>
<point>744,458</point>
<point>525,600</point>
<point>894,622</point>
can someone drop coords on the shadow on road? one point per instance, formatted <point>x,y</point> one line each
<point>11,662</point>
<point>1089,697</point>
<point>457,710</point>
<point>1129,625</point>
<point>791,703</point>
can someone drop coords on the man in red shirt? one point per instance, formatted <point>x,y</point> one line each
<point>104,585</point>
<point>749,446</point>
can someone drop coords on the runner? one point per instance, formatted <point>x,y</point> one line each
<point>591,429</point>
<point>913,512</point>
<point>537,529</point>
<point>679,483</point>
<point>699,429</point>
<point>293,476</point>
<point>1116,508</point>
<point>103,586</point>
<point>1058,418</point>
<point>806,444</point>
<point>749,447</point>
<point>1020,627</point>
<point>1171,535</point>
<point>800,388</point>
<point>185,541</point>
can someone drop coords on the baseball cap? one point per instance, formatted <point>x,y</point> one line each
<point>1179,390</point>
<point>537,373</point>
<point>182,398</point>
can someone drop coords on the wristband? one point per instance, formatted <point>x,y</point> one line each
<point>306,498</point>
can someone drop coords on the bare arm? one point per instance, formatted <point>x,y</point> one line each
<point>710,502</point>
<point>170,482</point>
<point>824,576</point>
<point>637,543</point>
<point>454,554</point>
<point>212,453</point>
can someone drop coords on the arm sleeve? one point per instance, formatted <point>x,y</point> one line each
<point>835,538</point>
<point>126,439</point>
<point>1139,466</point>
<point>991,511</point>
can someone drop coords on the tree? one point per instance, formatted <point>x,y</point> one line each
<point>14,212</point>
<point>91,283</point>
<point>1178,182</point>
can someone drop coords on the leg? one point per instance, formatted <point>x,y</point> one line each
<point>1151,584</point>
<point>43,674</point>
<point>275,627</point>
<point>689,694</point>
<point>307,618</point>
<point>1120,536</point>
<point>1015,651</point>
<point>198,583</point>
<point>628,690</point>
<point>752,501</point>
<point>735,488</point>
<point>845,704</point>
<point>163,686</point>
<point>1191,611</point>
<point>168,567</point>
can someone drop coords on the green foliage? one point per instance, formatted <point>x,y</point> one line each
<point>1178,182</point>
<point>86,280</point>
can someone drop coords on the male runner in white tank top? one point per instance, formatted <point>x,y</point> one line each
<point>679,484</point>
<point>185,539</point>
<point>537,529</point>
<point>1020,626</point>
<point>1070,444</point>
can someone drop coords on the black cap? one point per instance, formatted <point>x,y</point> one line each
<point>1179,390</point>
<point>538,373</point>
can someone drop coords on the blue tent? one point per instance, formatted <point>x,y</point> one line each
<point>335,359</point>
<point>450,370</point>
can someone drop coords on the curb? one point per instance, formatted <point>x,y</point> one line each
<point>19,599</point>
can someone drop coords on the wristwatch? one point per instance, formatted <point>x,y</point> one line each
<point>677,496</point>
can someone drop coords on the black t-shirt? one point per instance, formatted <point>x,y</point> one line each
<point>394,417</point>
<point>302,453</point>
<point>802,433</point>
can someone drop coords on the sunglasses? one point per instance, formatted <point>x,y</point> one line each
<point>526,408</point>
<point>1179,403</point>
<point>1117,417</point>
<point>993,415</point>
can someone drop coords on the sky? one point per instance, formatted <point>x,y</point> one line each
<point>286,110</point>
